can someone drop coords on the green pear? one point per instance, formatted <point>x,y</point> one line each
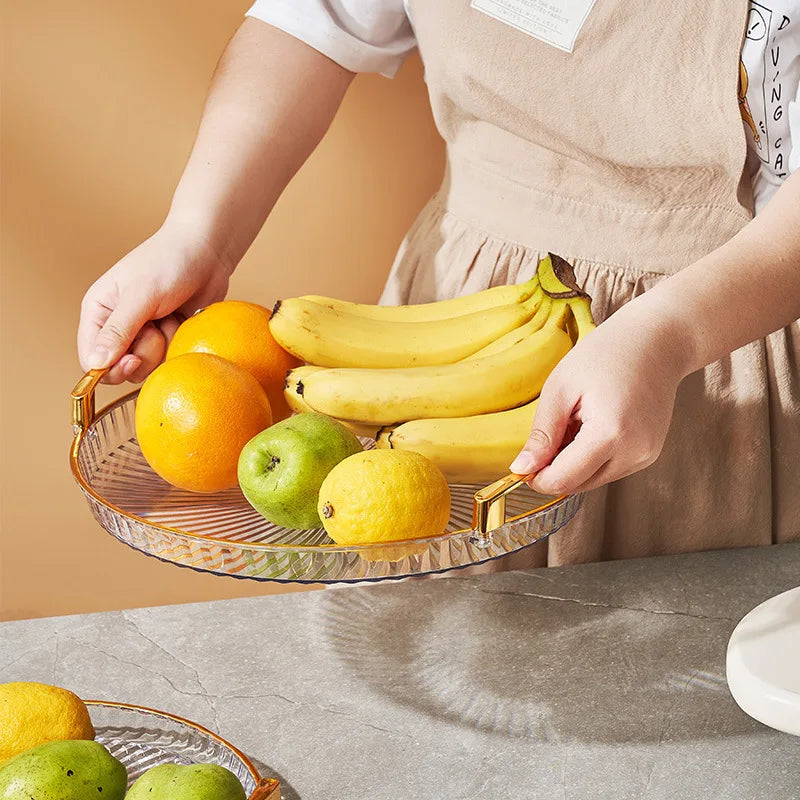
<point>195,782</point>
<point>71,770</point>
<point>282,468</point>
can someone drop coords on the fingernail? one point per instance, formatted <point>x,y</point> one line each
<point>99,358</point>
<point>131,365</point>
<point>523,464</point>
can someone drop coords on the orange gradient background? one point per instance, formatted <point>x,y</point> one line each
<point>100,105</point>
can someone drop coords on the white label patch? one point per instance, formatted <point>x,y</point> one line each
<point>557,22</point>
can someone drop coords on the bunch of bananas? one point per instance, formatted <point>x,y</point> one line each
<point>455,380</point>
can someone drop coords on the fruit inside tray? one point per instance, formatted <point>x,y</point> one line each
<point>276,402</point>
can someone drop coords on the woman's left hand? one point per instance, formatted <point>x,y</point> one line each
<point>605,410</point>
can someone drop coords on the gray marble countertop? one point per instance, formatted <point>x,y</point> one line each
<point>597,681</point>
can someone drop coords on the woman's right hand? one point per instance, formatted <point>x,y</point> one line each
<point>131,312</point>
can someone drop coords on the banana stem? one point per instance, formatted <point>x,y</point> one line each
<point>557,278</point>
<point>542,315</point>
<point>559,314</point>
<point>582,314</point>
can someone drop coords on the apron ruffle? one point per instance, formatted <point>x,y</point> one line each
<point>443,256</point>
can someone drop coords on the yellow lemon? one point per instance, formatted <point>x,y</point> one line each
<point>35,713</point>
<point>384,496</point>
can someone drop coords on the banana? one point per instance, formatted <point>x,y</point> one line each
<point>293,377</point>
<point>512,337</point>
<point>557,281</point>
<point>581,308</point>
<point>299,406</point>
<point>560,304</point>
<point>330,338</point>
<point>497,382</point>
<point>551,312</point>
<point>560,314</point>
<point>467,449</point>
<point>477,449</point>
<point>426,312</point>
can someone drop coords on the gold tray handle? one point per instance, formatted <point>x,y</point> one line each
<point>267,789</point>
<point>489,506</point>
<point>83,399</point>
<point>489,503</point>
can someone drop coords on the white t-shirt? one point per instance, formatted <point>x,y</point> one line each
<point>376,36</point>
<point>771,108</point>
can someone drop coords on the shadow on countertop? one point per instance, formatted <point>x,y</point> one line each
<point>506,656</point>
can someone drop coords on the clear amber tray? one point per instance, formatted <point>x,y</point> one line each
<point>142,738</point>
<point>222,534</point>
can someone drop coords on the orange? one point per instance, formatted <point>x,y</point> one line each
<point>194,415</point>
<point>240,332</point>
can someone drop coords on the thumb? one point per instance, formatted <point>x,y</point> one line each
<point>119,331</point>
<point>549,428</point>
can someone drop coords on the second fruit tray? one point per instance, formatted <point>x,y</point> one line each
<point>222,534</point>
<point>143,738</point>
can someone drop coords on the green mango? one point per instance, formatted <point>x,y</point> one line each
<point>71,770</point>
<point>195,782</point>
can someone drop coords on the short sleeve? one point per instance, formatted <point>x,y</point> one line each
<point>360,35</point>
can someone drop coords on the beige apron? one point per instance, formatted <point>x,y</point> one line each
<point>626,157</point>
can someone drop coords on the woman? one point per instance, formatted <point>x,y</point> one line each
<point>626,156</point>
